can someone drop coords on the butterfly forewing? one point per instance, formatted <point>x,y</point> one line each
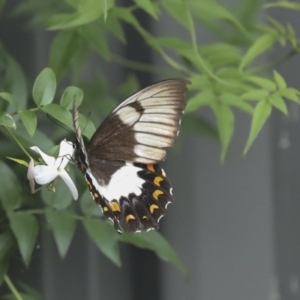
<point>120,161</point>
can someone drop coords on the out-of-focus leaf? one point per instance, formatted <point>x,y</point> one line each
<point>87,124</point>
<point>63,49</point>
<point>290,94</point>
<point>7,243</point>
<point>149,7</point>
<point>234,100</point>
<point>261,113</point>
<point>88,205</point>
<point>10,188</point>
<point>7,120</point>
<point>60,198</point>
<point>278,102</point>
<point>263,83</point>
<point>154,241</point>
<point>19,161</point>
<point>9,98</point>
<point>225,120</point>
<point>279,80</point>
<point>105,237</point>
<point>25,228</point>
<point>3,269</point>
<point>63,225</point>
<point>44,87</point>
<point>71,94</point>
<point>284,4</point>
<point>255,95</point>
<point>207,97</point>
<point>261,45</point>
<point>129,86</point>
<point>29,120</point>
<point>113,24</point>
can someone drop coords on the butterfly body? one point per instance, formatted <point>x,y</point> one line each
<point>120,162</point>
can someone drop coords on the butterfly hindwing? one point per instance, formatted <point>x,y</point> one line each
<point>120,163</point>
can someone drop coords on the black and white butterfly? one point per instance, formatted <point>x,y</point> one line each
<point>120,162</point>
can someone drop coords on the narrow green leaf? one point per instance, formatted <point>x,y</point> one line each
<point>234,100</point>
<point>44,87</point>
<point>261,45</point>
<point>105,237</point>
<point>3,269</point>
<point>7,243</point>
<point>104,9</point>
<point>225,121</point>
<point>9,98</point>
<point>25,228</point>
<point>290,94</point>
<point>29,120</point>
<point>19,161</point>
<point>261,113</point>
<point>277,101</point>
<point>7,120</point>
<point>255,95</point>
<point>264,83</point>
<point>279,80</point>
<point>154,241</point>
<point>30,292</point>
<point>175,9</point>
<point>114,25</point>
<point>277,25</point>
<point>148,7</point>
<point>88,206</point>
<point>204,98</point>
<point>284,4</point>
<point>63,225</point>
<point>10,188</point>
<point>60,198</point>
<point>71,94</point>
<point>60,113</point>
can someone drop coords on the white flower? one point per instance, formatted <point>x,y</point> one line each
<point>44,174</point>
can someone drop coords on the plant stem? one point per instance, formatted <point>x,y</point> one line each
<point>12,288</point>
<point>20,145</point>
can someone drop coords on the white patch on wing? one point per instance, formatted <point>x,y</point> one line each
<point>158,118</point>
<point>153,140</point>
<point>122,183</point>
<point>155,128</point>
<point>128,115</point>
<point>149,152</point>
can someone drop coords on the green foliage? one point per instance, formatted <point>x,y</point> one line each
<point>226,76</point>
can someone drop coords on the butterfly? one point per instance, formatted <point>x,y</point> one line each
<point>120,162</point>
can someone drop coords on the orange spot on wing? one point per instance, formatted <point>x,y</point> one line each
<point>114,206</point>
<point>157,180</point>
<point>105,208</point>
<point>153,207</point>
<point>150,167</point>
<point>129,217</point>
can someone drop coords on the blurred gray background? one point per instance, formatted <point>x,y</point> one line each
<point>236,226</point>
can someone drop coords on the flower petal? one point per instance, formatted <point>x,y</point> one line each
<point>44,174</point>
<point>66,151</point>
<point>30,175</point>
<point>69,182</point>
<point>49,160</point>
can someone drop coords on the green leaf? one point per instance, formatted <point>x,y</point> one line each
<point>284,4</point>
<point>29,120</point>
<point>130,85</point>
<point>105,237</point>
<point>233,100</point>
<point>63,49</point>
<point>277,101</point>
<point>279,80</point>
<point>104,9</point>
<point>261,113</point>
<point>61,198</point>
<point>154,241</point>
<point>9,98</point>
<point>63,225</point>
<point>148,7</point>
<point>91,33</point>
<point>114,25</point>
<point>175,9</point>
<point>7,120</point>
<point>255,95</point>
<point>10,188</point>
<point>225,120</point>
<point>88,205</point>
<point>261,45</point>
<point>71,94</point>
<point>3,269</point>
<point>87,124</point>
<point>44,87</point>
<point>60,113</point>
<point>30,292</point>
<point>204,98</point>
<point>25,228</point>
<point>264,83</point>
<point>290,94</point>
<point>19,161</point>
